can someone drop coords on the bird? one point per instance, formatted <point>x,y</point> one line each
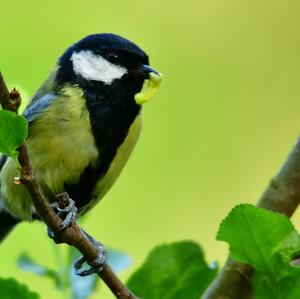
<point>84,122</point>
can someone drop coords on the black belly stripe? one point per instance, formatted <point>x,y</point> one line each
<point>81,191</point>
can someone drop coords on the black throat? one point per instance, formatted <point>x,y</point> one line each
<point>112,111</point>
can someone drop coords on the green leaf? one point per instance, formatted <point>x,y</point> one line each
<point>10,288</point>
<point>173,271</point>
<point>13,131</point>
<point>26,263</point>
<point>267,241</point>
<point>254,233</point>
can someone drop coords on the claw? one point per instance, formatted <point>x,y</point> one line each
<point>71,211</point>
<point>67,214</point>
<point>50,233</point>
<point>97,265</point>
<point>68,208</point>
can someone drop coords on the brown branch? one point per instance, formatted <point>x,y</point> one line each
<point>9,100</point>
<point>4,94</point>
<point>73,234</point>
<point>283,196</point>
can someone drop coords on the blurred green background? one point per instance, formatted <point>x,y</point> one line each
<point>224,120</point>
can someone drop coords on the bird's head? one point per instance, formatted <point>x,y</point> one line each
<point>109,63</point>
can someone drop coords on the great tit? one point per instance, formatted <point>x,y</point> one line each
<point>83,124</point>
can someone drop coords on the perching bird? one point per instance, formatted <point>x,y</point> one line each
<point>83,124</point>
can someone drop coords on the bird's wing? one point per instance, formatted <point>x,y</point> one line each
<point>42,99</point>
<point>37,105</point>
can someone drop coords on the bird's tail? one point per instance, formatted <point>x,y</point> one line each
<point>7,223</point>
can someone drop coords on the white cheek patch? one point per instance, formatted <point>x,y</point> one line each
<point>95,67</point>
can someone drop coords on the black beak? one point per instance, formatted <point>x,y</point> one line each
<point>146,70</point>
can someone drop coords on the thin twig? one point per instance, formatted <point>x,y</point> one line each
<point>71,235</point>
<point>9,100</point>
<point>4,93</point>
<point>283,196</point>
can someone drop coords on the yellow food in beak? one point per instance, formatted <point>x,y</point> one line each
<point>149,88</point>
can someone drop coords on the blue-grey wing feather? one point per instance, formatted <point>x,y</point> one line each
<point>42,99</point>
<point>37,106</point>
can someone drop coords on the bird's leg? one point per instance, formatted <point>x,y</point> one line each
<point>97,265</point>
<point>67,211</point>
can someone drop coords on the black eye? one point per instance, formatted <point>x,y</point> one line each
<point>113,58</point>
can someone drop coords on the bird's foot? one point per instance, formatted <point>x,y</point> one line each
<point>67,211</point>
<point>97,265</point>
